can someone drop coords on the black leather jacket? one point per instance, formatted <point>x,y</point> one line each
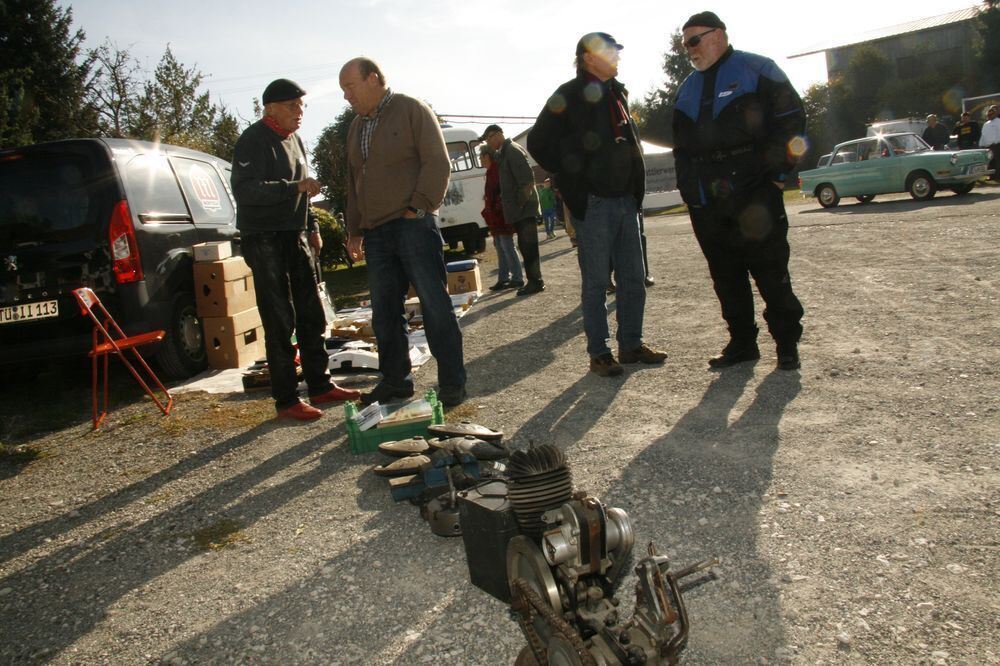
<point>574,140</point>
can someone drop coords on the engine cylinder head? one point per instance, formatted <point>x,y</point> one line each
<point>539,481</point>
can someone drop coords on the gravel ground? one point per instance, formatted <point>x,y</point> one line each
<point>854,504</point>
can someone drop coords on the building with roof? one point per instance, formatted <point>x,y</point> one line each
<point>942,44</point>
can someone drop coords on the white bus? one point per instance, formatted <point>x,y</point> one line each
<point>460,218</point>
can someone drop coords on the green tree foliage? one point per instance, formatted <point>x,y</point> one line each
<point>333,236</point>
<point>654,114</point>
<point>989,47</point>
<point>225,132</point>
<point>171,110</point>
<point>330,159</point>
<point>867,74</point>
<point>43,81</point>
<point>115,89</point>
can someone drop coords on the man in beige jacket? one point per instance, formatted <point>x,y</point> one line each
<point>398,170</point>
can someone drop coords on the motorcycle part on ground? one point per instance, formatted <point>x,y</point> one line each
<point>539,481</point>
<point>442,515</point>
<point>488,525</point>
<point>562,591</point>
<point>463,428</point>
<point>402,466</point>
<point>404,447</point>
<point>481,449</point>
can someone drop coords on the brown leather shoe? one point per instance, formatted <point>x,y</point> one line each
<point>642,354</point>
<point>300,411</point>
<point>605,365</point>
<point>335,394</point>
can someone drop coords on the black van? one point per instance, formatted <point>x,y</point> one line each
<point>115,215</point>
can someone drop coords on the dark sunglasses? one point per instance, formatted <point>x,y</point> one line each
<point>696,39</point>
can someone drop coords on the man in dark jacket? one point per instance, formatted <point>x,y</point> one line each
<point>586,139</point>
<point>520,203</point>
<point>967,131</point>
<point>738,127</point>
<point>272,187</point>
<point>935,134</point>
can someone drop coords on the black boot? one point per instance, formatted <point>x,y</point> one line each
<point>739,350</point>
<point>788,356</point>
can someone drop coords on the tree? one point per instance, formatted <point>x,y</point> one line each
<point>42,84</point>
<point>225,132</point>
<point>989,55</point>
<point>655,113</point>
<point>171,110</point>
<point>114,89</point>
<point>330,159</point>
<point>867,74</point>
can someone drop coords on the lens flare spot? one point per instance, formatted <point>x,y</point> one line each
<point>557,103</point>
<point>592,93</point>
<point>591,141</point>
<point>755,222</point>
<point>798,146</point>
<point>952,99</point>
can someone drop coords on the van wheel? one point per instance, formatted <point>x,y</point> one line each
<point>921,186</point>
<point>475,243</point>
<point>182,353</point>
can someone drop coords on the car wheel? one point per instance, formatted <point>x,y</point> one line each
<point>865,198</point>
<point>921,186</point>
<point>963,189</point>
<point>182,352</point>
<point>827,195</point>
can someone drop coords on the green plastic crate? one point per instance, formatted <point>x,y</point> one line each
<point>363,441</point>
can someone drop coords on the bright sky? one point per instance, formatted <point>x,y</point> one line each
<point>499,58</point>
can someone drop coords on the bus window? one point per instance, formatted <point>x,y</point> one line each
<point>461,156</point>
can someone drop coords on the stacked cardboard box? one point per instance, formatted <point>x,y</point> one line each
<point>227,305</point>
<point>464,277</point>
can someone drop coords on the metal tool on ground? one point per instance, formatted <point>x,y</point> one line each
<point>463,428</point>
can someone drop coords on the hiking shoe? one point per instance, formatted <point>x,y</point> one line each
<point>642,354</point>
<point>605,365</point>
<point>335,394</point>
<point>452,396</point>
<point>533,287</point>
<point>788,356</point>
<point>300,411</point>
<point>383,393</point>
<point>735,352</point>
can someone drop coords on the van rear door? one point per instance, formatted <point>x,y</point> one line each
<point>55,202</point>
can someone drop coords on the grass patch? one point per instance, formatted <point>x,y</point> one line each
<point>206,411</point>
<point>219,535</point>
<point>20,456</point>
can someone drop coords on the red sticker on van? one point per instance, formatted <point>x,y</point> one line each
<point>204,188</point>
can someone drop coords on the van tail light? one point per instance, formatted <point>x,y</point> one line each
<point>124,249</point>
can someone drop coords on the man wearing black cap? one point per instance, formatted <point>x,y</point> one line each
<point>586,139</point>
<point>520,203</point>
<point>738,130</point>
<point>272,187</point>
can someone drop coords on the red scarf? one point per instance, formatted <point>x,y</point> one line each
<point>276,128</point>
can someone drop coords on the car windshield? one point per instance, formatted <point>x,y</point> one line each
<point>43,196</point>
<point>904,144</point>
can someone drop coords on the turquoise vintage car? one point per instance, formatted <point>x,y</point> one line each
<point>893,163</point>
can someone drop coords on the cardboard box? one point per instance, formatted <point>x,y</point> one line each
<point>411,307</point>
<point>212,251</point>
<point>234,342</point>
<point>223,288</point>
<point>467,281</point>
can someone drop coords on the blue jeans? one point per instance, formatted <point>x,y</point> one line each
<point>549,218</point>
<point>608,236</point>
<point>399,253</point>
<point>509,264</point>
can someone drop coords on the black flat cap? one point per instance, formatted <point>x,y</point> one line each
<point>489,130</point>
<point>282,90</point>
<point>706,19</point>
<point>596,41</point>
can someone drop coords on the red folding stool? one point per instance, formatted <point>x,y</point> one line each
<point>108,339</point>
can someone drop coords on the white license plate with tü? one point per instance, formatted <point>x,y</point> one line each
<point>25,311</point>
<point>978,168</point>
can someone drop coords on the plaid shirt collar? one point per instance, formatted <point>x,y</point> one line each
<point>369,123</point>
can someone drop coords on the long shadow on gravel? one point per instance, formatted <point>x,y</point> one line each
<point>675,478</point>
<point>62,596</point>
<point>570,416</point>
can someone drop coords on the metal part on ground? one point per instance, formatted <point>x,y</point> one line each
<point>539,481</point>
<point>463,428</point>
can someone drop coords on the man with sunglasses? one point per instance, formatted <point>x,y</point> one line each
<point>738,130</point>
<point>587,140</point>
<point>272,187</point>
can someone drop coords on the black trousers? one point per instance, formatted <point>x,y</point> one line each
<point>746,236</point>
<point>288,301</point>
<point>527,243</point>
<point>994,155</point>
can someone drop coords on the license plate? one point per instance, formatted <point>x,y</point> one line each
<point>28,311</point>
<point>978,169</point>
